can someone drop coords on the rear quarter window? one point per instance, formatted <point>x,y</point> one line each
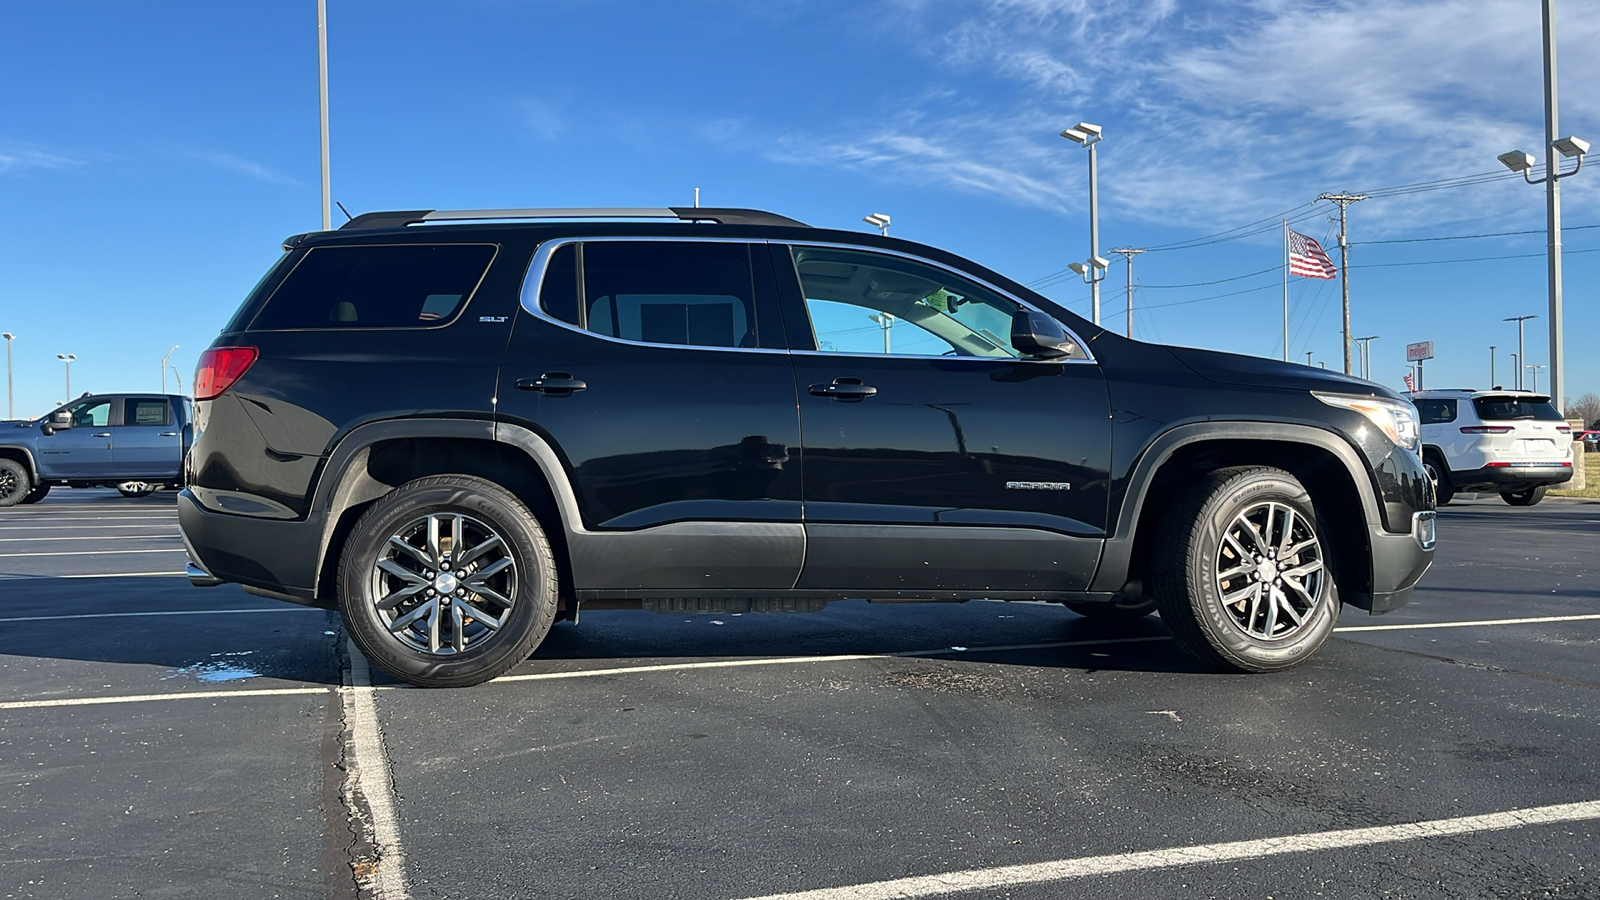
<point>389,286</point>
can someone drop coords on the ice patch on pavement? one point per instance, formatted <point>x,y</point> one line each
<point>220,667</point>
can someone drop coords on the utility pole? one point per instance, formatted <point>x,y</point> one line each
<point>1129,253</point>
<point>1344,201</point>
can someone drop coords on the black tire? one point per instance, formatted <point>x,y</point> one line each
<point>15,485</point>
<point>1526,497</point>
<point>1439,474</point>
<point>1118,611</point>
<point>1195,550</point>
<point>458,601</point>
<point>37,494</point>
<point>136,489</point>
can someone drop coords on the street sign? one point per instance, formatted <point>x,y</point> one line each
<point>1419,351</point>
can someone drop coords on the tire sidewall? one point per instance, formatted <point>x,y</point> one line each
<point>532,610</point>
<point>21,484</point>
<point>1238,648</point>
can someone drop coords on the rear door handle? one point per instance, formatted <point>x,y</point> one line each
<point>169,434</point>
<point>555,383</point>
<point>101,434</point>
<point>846,389</point>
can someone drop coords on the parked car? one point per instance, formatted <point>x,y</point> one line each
<point>133,442</point>
<point>1591,441</point>
<point>457,433</point>
<point>1510,442</point>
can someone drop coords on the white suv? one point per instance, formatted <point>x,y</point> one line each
<point>1512,442</point>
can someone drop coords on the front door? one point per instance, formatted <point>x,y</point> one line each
<point>656,370</point>
<point>937,457</point>
<point>85,449</point>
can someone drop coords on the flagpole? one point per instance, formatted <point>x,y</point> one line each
<point>1285,290</point>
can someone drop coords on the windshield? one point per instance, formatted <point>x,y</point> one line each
<point>1504,409</point>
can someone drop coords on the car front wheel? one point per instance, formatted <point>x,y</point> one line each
<point>1242,573</point>
<point>448,581</point>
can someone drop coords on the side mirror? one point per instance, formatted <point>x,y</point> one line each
<point>1039,336</point>
<point>61,419</point>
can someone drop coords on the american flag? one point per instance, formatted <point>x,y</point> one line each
<point>1410,385</point>
<point>1307,258</point>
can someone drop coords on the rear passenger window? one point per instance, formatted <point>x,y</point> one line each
<point>397,286</point>
<point>1435,412</point>
<point>658,292</point>
<point>146,412</point>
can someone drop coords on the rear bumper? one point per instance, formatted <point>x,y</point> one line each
<point>274,555</point>
<point>1526,474</point>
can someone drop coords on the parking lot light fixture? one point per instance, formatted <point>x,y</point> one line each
<point>879,221</point>
<point>164,368</point>
<point>1366,354</point>
<point>68,358</point>
<point>1088,135</point>
<point>1519,320</point>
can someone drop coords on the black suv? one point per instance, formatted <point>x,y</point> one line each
<point>456,434</point>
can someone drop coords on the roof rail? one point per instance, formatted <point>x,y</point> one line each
<point>722,216</point>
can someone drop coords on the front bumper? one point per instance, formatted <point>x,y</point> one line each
<point>1399,560</point>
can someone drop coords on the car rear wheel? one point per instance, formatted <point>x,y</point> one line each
<point>1526,497</point>
<point>14,483</point>
<point>137,488</point>
<point>447,581</point>
<point>1439,474</point>
<point>1241,571</point>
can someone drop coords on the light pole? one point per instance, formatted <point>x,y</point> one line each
<point>1519,320</point>
<point>1308,357</point>
<point>164,368</point>
<point>1366,354</point>
<point>878,220</point>
<point>1535,377</point>
<point>1516,371</point>
<point>11,412</point>
<point>68,358</point>
<point>1094,271</point>
<point>1517,161</point>
<point>322,88</point>
<point>886,322</point>
<point>1491,367</point>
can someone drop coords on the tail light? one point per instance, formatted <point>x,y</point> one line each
<point>220,368</point>
<point>1486,429</point>
<point>1563,429</point>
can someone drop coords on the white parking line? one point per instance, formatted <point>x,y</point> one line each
<point>45,518</point>
<point>173,612</point>
<point>368,784</point>
<point>68,527</point>
<point>93,552</point>
<point>93,537</point>
<point>1175,857</point>
<point>1481,622</point>
<point>8,576</point>
<point>148,698</point>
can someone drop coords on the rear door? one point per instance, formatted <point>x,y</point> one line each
<point>149,442</point>
<point>657,371</point>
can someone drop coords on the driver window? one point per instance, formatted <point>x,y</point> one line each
<point>869,303</point>
<point>92,414</point>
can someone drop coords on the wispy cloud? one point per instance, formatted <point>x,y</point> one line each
<point>232,162</point>
<point>16,158</point>
<point>540,118</point>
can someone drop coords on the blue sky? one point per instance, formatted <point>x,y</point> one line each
<point>154,154</point>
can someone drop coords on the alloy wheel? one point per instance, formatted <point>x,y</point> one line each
<point>1270,571</point>
<point>444,583</point>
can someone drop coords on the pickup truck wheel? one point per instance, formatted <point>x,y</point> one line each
<point>137,488</point>
<point>1526,497</point>
<point>14,483</point>
<point>1241,571</point>
<point>447,581</point>
<point>37,494</point>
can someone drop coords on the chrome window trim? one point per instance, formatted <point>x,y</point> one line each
<point>533,281</point>
<point>1083,345</point>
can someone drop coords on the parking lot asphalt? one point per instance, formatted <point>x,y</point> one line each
<point>165,741</point>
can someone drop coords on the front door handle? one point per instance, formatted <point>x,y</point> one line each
<point>846,389</point>
<point>101,434</point>
<point>555,383</point>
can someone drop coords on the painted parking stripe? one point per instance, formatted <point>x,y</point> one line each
<point>92,552</point>
<point>1479,623</point>
<point>9,576</point>
<point>150,698</point>
<point>1175,857</point>
<point>50,538</point>
<point>45,518</point>
<point>36,528</point>
<point>369,784</point>
<point>173,612</point>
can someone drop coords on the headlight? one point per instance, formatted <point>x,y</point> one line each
<point>1395,418</point>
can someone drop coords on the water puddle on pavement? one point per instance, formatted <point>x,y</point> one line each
<point>219,667</point>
